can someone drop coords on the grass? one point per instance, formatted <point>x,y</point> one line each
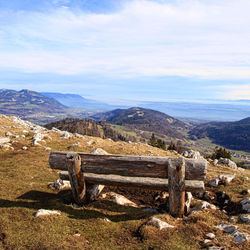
<point>24,175</point>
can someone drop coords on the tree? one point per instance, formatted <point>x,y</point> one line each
<point>152,140</point>
<point>221,152</point>
<point>172,146</point>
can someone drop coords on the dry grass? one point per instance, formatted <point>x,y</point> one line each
<point>24,175</point>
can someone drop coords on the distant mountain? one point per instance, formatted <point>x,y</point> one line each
<point>77,101</point>
<point>145,120</point>
<point>230,111</point>
<point>233,135</point>
<point>33,106</point>
<point>26,102</point>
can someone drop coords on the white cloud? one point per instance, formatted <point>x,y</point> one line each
<point>232,92</point>
<point>208,39</point>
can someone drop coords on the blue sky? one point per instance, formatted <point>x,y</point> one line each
<point>111,50</point>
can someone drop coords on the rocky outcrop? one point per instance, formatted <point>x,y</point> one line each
<point>159,223</point>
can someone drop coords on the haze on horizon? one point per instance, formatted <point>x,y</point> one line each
<point>121,50</point>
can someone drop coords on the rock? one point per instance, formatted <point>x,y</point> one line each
<point>214,182</point>
<point>38,137</point>
<point>65,135</point>
<point>106,219</point>
<point>4,140</point>
<point>123,201</point>
<point>159,223</point>
<point>94,190</point>
<point>228,162</point>
<point>47,149</point>
<point>226,228</point>
<point>99,151</point>
<point>204,205</point>
<point>245,191</point>
<point>91,142</point>
<point>226,178</point>
<point>215,162</point>
<point>59,184</point>
<point>245,218</point>
<point>25,132</point>
<point>6,146</point>
<point>10,134</point>
<point>78,135</point>
<point>207,242</point>
<point>192,154</point>
<point>245,203</point>
<point>210,235</point>
<point>73,145</point>
<point>241,169</point>
<point>45,212</point>
<point>24,148</point>
<point>188,198</point>
<point>76,205</point>
<point>232,219</point>
<point>240,237</point>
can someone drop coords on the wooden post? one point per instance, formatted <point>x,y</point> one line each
<point>78,186</point>
<point>176,182</point>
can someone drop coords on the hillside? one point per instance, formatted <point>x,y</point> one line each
<point>25,174</point>
<point>232,135</point>
<point>90,127</point>
<point>145,120</point>
<point>33,106</point>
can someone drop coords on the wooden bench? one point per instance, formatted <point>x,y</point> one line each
<point>175,175</point>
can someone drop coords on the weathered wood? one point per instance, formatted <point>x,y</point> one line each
<point>78,186</point>
<point>128,165</point>
<point>158,184</point>
<point>176,176</point>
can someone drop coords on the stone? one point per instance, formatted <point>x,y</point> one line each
<point>123,201</point>
<point>45,212</point>
<point>73,145</point>
<point>245,218</point>
<point>226,178</point>
<point>38,137</point>
<point>24,148</point>
<point>228,162</point>
<point>9,134</point>
<point>65,135</point>
<point>205,205</point>
<point>240,237</point>
<point>232,219</point>
<point>192,154</point>
<point>59,184</point>
<point>99,151</point>
<point>94,190</point>
<point>245,203</point>
<point>215,162</point>
<point>214,248</point>
<point>207,242</point>
<point>210,236</point>
<point>91,142</point>
<point>159,223</point>
<point>226,228</point>
<point>78,135</point>
<point>4,140</point>
<point>106,219</point>
<point>214,182</point>
<point>47,149</point>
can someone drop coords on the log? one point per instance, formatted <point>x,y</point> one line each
<point>157,184</point>
<point>78,186</point>
<point>176,173</point>
<point>128,165</point>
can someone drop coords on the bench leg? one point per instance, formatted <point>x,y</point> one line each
<point>176,182</point>
<point>78,185</point>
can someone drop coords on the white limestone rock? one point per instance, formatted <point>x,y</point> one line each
<point>159,223</point>
<point>228,162</point>
<point>91,142</point>
<point>59,184</point>
<point>211,236</point>
<point>123,201</point>
<point>205,205</point>
<point>24,148</point>
<point>240,237</point>
<point>226,228</point>
<point>99,151</point>
<point>65,135</point>
<point>4,140</point>
<point>45,212</point>
<point>188,198</point>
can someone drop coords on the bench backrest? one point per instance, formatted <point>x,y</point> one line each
<point>130,165</point>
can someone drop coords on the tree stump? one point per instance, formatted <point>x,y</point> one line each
<point>78,186</point>
<point>176,181</point>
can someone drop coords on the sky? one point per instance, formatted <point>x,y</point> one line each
<point>124,50</point>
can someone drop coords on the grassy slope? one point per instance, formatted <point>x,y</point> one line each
<point>24,176</point>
